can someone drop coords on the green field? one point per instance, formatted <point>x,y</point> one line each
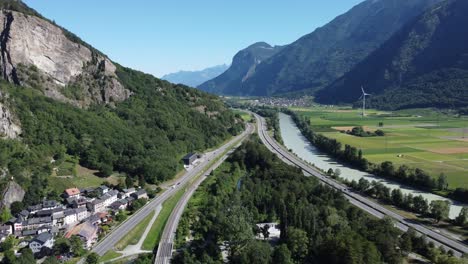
<point>433,141</point>
<point>158,226</point>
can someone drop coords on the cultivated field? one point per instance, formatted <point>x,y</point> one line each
<point>433,141</point>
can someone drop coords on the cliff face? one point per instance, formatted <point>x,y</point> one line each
<point>37,53</point>
<point>13,193</point>
<point>9,126</point>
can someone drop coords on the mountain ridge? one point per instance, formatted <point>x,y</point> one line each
<point>195,78</point>
<point>423,65</point>
<point>318,58</point>
<point>243,66</point>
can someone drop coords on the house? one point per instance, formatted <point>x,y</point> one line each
<point>102,189</point>
<point>119,205</point>
<point>37,222</point>
<point>24,214</point>
<point>16,224</point>
<point>72,192</point>
<point>189,159</point>
<point>87,232</point>
<point>70,217</point>
<point>97,205</point>
<point>109,197</point>
<point>79,203</point>
<point>140,194</point>
<point>5,231</point>
<point>81,213</point>
<point>41,241</point>
<point>34,208</point>
<point>50,204</point>
<point>98,218</point>
<point>126,193</point>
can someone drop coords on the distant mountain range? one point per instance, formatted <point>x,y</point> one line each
<point>243,67</point>
<point>423,65</point>
<point>319,58</point>
<point>195,78</point>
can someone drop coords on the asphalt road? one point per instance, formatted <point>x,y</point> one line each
<point>356,199</point>
<point>117,234</point>
<point>166,244</point>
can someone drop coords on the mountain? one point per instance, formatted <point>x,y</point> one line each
<point>423,65</point>
<point>317,59</point>
<point>195,78</point>
<point>62,99</point>
<point>243,67</point>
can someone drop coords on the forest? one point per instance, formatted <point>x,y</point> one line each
<point>317,224</point>
<point>143,137</point>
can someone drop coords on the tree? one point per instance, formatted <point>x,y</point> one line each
<point>265,231</point>
<point>50,260</point>
<point>442,183</point>
<point>129,181</point>
<point>5,215</point>
<point>462,218</point>
<point>282,255</point>
<point>62,246</point>
<point>77,246</point>
<point>92,258</point>
<point>298,243</point>
<point>440,209</point>
<point>330,172</point>
<point>27,257</point>
<point>420,204</point>
<point>16,207</point>
<point>397,197</point>
<point>337,172</point>
<point>9,257</point>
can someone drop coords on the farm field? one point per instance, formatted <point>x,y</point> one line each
<point>421,138</point>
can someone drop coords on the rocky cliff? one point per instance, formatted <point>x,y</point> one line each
<point>9,126</point>
<point>13,193</point>
<point>36,53</point>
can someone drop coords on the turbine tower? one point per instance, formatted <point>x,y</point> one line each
<point>363,97</point>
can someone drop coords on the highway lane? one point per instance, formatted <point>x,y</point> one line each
<point>166,244</point>
<point>117,234</point>
<point>356,199</point>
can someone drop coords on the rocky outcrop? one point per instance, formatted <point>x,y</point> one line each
<point>13,193</point>
<point>37,53</point>
<point>9,126</point>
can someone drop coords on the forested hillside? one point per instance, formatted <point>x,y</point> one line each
<point>423,65</point>
<point>317,59</point>
<point>143,136</point>
<point>317,224</point>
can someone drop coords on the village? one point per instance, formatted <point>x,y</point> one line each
<point>83,214</point>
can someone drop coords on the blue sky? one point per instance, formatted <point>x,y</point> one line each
<point>164,36</point>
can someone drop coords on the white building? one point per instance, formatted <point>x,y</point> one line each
<point>42,240</point>
<point>70,217</point>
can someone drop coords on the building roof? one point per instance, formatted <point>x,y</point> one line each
<point>43,238</point>
<point>129,190</point>
<point>49,203</point>
<point>24,213</point>
<point>96,201</point>
<point>38,220</point>
<point>36,207</point>
<point>69,212</point>
<point>140,192</point>
<point>86,230</point>
<point>189,156</point>
<point>72,191</point>
<point>80,210</point>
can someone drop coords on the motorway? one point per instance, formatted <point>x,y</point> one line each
<point>122,230</point>
<point>166,245</point>
<point>358,200</point>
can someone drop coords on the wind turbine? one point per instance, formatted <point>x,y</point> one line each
<point>363,97</point>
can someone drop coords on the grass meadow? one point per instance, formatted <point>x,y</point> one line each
<point>433,141</point>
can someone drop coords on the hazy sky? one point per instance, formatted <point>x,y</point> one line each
<point>164,36</point>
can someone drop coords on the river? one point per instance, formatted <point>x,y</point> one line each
<point>294,140</point>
